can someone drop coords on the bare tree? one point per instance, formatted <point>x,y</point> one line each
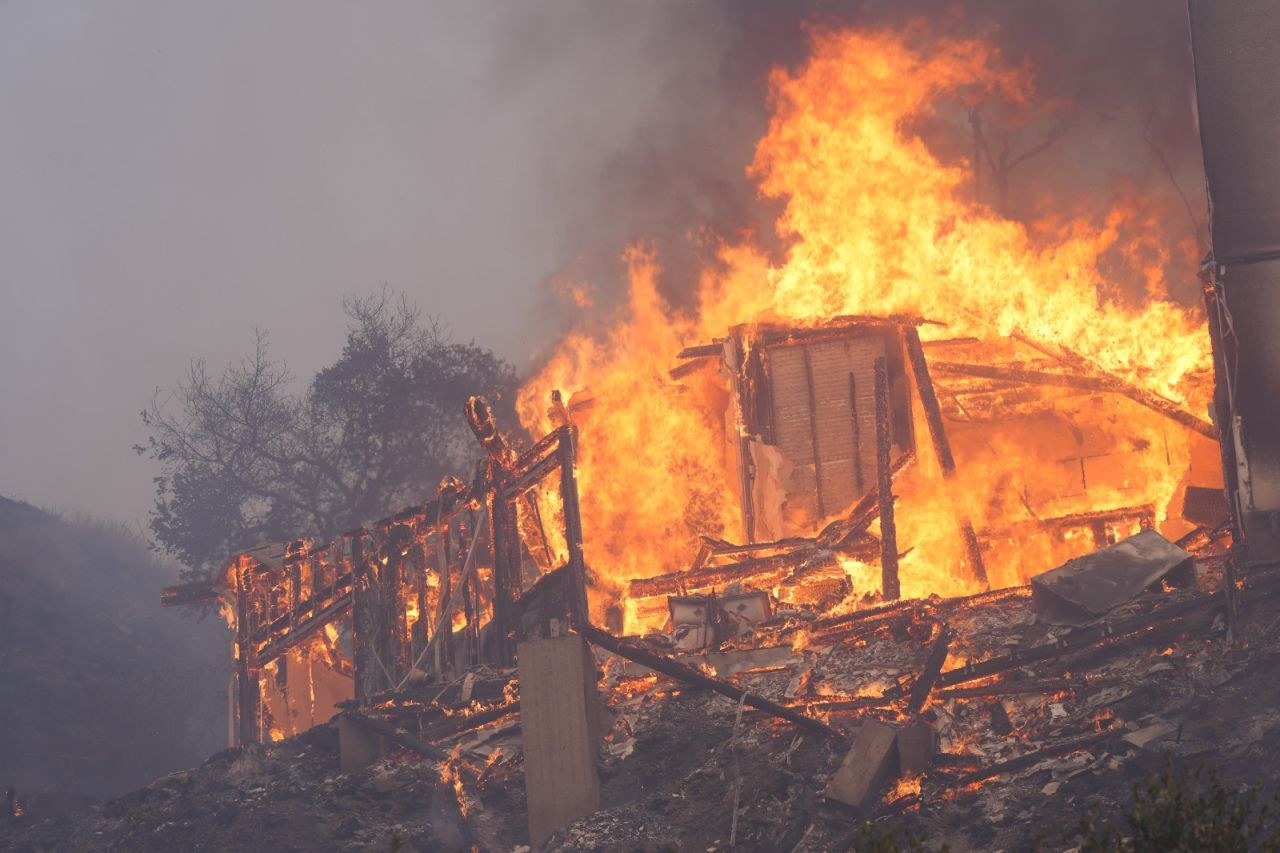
<point>244,459</point>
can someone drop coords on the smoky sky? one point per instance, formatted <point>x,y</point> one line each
<point>174,175</point>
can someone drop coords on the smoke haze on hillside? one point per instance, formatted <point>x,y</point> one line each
<point>174,175</point>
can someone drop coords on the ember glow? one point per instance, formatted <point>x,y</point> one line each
<point>878,224</point>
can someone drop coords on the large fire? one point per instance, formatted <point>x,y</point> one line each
<point>878,223</point>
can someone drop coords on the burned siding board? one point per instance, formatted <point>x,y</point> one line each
<point>841,470</point>
<point>822,393</point>
<point>792,426</point>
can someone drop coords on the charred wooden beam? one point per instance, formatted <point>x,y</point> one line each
<point>859,703</point>
<point>689,675</point>
<point>1135,626</point>
<point>676,583</point>
<point>1022,762</point>
<point>892,624</point>
<point>884,480</point>
<point>249,704</point>
<point>941,444</point>
<point>322,599</point>
<point>303,630</point>
<point>187,594</point>
<point>923,685</point>
<point>929,402</point>
<point>693,366</point>
<point>389,731</point>
<point>870,614</point>
<point>366,622</point>
<point>504,540</point>
<point>701,351</point>
<point>515,486</point>
<point>839,534</point>
<point>720,548</point>
<point>461,723</point>
<point>1095,382</point>
<point>1016,688</point>
<point>973,551</point>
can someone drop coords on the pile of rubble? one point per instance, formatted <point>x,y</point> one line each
<point>976,720</point>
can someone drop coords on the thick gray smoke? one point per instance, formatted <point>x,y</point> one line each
<point>670,100</point>
<point>175,175</point>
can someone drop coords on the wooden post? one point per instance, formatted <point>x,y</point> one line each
<point>249,689</point>
<point>884,443</point>
<point>560,729</point>
<point>573,526</point>
<point>942,446</point>
<point>365,623</point>
<point>504,540</point>
<point>445,659</point>
<point>929,401</point>
<point>392,635</point>
<point>470,598</point>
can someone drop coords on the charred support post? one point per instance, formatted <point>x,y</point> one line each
<point>941,445</point>
<point>560,729</point>
<point>392,652</point>
<point>884,445</point>
<point>250,701</point>
<point>573,524</point>
<point>366,623</point>
<point>445,660</point>
<point>504,537</point>
<point>504,528</point>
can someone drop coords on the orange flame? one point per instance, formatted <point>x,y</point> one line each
<point>878,224</point>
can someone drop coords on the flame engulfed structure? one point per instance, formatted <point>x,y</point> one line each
<point>877,223</point>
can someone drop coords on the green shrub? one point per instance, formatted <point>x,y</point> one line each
<point>1185,808</point>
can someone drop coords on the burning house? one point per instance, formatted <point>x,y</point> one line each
<point>822,461</point>
<point>823,428</point>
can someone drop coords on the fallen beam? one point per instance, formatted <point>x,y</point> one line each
<point>677,583</point>
<point>942,445</point>
<point>923,685</point>
<point>387,730</point>
<point>837,535</point>
<point>1089,636</point>
<point>462,723</point>
<point>682,672</point>
<point>1022,762</point>
<point>1015,688</point>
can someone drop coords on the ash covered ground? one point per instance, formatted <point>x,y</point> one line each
<point>676,758</point>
